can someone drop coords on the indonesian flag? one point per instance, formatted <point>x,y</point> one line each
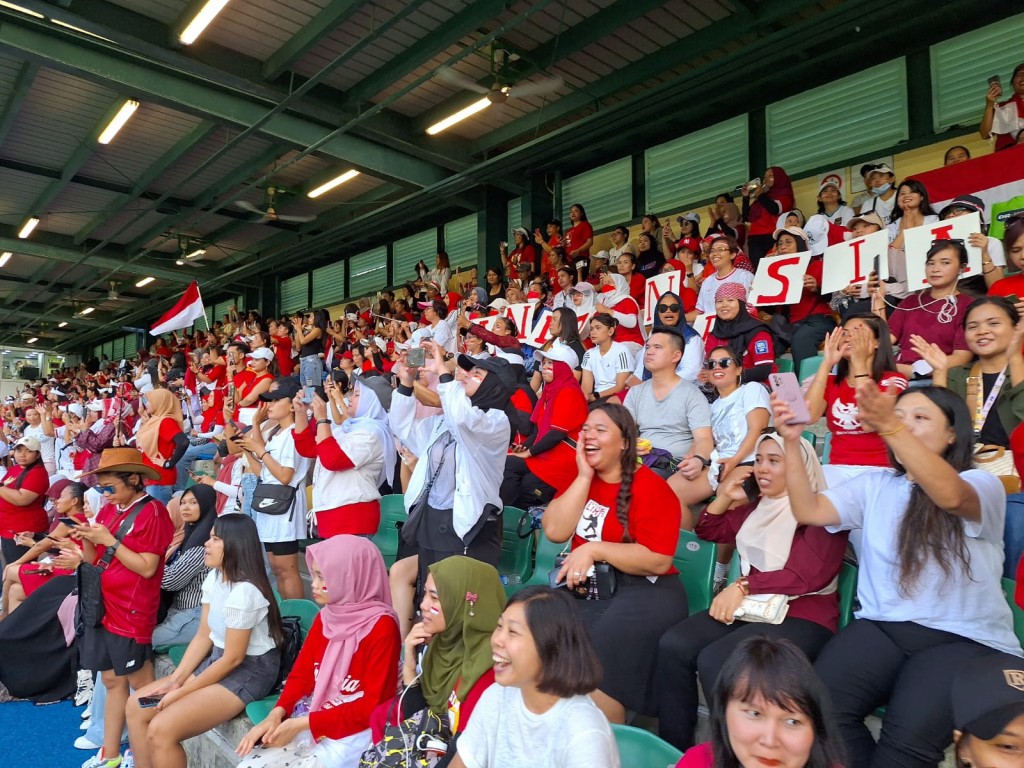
<point>994,178</point>
<point>186,311</point>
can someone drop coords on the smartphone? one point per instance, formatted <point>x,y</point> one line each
<point>307,394</point>
<point>751,488</point>
<point>416,358</point>
<point>874,264</point>
<point>145,702</point>
<point>553,581</point>
<point>994,80</point>
<point>1012,298</point>
<point>70,522</point>
<point>787,385</point>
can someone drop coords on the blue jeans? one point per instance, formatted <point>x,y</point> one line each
<point>192,454</point>
<point>161,493</point>
<point>248,486</point>
<point>178,628</point>
<point>311,368</point>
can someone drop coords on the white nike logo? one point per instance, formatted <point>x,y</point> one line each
<point>266,503</point>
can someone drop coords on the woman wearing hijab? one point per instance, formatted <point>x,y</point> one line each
<point>346,668</point>
<point>99,433</point>
<point>777,557</point>
<point>763,202</point>
<point>670,313</point>
<point>185,569</point>
<point>583,299</point>
<point>735,327</point>
<point>163,442</point>
<point>616,301</point>
<point>353,459</point>
<point>462,602</point>
<point>545,463</point>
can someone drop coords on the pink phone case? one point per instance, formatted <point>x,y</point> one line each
<point>788,388</point>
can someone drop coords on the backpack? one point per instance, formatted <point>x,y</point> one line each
<point>289,650</point>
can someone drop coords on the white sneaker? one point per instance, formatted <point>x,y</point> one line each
<point>82,742</point>
<point>127,759</point>
<point>83,689</point>
<point>99,761</point>
<point>85,725</point>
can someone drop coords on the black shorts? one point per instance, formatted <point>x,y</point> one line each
<point>100,650</point>
<point>281,548</point>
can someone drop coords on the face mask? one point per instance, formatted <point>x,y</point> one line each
<point>881,190</point>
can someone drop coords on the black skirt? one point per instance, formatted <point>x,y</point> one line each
<point>625,632</point>
<point>35,661</point>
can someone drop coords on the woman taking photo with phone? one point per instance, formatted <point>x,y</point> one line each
<point>234,658</point>
<point>778,559</point>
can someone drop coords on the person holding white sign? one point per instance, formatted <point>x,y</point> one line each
<point>993,257</point>
<point>735,327</point>
<point>935,314</point>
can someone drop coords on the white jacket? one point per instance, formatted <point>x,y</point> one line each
<point>333,489</point>
<point>481,445</point>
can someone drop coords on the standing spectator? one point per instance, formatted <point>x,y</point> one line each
<point>577,241</point>
<point>281,341</point>
<point>39,424</point>
<point>1004,121</point>
<point>311,338</point>
<point>441,274</point>
<point>522,261</point>
<point>163,442</point>
<point>763,203</point>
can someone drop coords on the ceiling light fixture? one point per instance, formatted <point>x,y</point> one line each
<point>4,258</point>
<point>179,262</point>
<point>73,28</point>
<point>197,252</point>
<point>117,121</point>
<point>459,116</point>
<point>201,21</point>
<point>28,226</point>
<point>87,311</point>
<point>337,181</point>
<point>144,282</point>
<point>62,324</point>
<point>19,9</point>
<point>33,340</point>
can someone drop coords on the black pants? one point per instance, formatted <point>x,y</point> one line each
<point>699,646</point>
<point>521,488</point>
<point>757,246</point>
<point>905,666</point>
<point>11,551</point>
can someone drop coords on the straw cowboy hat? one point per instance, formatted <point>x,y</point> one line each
<point>125,460</point>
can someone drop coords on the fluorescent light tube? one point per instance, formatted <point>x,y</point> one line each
<point>459,116</point>
<point>117,122</point>
<point>335,182</point>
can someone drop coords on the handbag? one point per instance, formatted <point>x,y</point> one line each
<point>602,584</point>
<point>90,610</point>
<point>764,609</point>
<point>273,499</point>
<point>994,459</point>
<point>419,741</point>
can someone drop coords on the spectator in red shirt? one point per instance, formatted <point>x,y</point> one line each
<point>22,496</point>
<point>577,241</point>
<point>1005,120</point>
<point>348,662</point>
<point>553,230</point>
<point>521,262</point>
<point>163,442</point>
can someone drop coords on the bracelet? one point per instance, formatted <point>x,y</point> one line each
<point>260,459</point>
<point>862,375</point>
<point>891,432</point>
<point>743,584</point>
<point>323,421</point>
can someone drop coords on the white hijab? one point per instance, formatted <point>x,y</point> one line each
<point>586,307</point>
<point>619,292</point>
<point>372,419</point>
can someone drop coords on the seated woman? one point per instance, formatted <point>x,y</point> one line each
<point>768,708</point>
<point>539,713</point>
<point>565,331</point>
<point>993,331</point>
<point>627,517</point>
<point>777,557</point>
<point>739,415</point>
<point>185,570</point>
<point>929,587</point>
<point>735,327</point>
<point>606,367</point>
<point>859,350</point>
<point>35,568</point>
<point>615,300</point>
<point>935,314</point>
<point>1013,247</point>
<point>234,658</point>
<point>347,665</point>
<point>669,313</point>
<point>545,464</point>
<point>462,602</point>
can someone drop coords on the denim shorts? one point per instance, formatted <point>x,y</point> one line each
<point>251,680</point>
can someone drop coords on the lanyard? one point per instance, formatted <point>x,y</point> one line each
<point>981,411</point>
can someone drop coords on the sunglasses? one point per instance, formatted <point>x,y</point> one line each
<point>724,363</point>
<point>104,489</point>
<point>668,307</point>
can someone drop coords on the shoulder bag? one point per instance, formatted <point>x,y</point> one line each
<point>270,498</point>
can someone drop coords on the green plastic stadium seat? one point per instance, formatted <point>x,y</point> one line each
<point>1009,588</point>
<point>642,749</point>
<point>392,512</point>
<point>784,364</point>
<point>176,652</point>
<point>517,554</point>
<point>695,561</point>
<point>305,610</point>
<point>826,450</point>
<point>810,437</point>
<point>544,560</point>
<point>847,593</point>
<point>258,710</point>
<point>809,366</point>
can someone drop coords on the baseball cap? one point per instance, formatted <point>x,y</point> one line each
<point>601,255</point>
<point>57,487</point>
<point>95,405</point>
<point>795,231</point>
<point>520,231</point>
<point>828,183</point>
<point>883,168</point>
<point>694,217</point>
<point>816,228</point>
<point>969,203</point>
<point>559,352</point>
<point>988,693</point>
<point>32,443</point>
<point>281,388</point>
<point>868,218</point>
<point>692,244</point>
<point>262,353</point>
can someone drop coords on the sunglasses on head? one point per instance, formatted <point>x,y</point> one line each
<point>668,307</point>
<point>724,363</point>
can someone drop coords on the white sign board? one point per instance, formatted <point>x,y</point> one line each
<point>779,280</point>
<point>664,282</point>
<point>917,242</point>
<point>850,262</point>
<point>703,325</point>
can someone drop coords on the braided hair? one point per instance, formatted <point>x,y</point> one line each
<point>623,420</point>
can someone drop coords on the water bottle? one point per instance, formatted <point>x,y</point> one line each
<point>304,742</point>
<point>511,578</point>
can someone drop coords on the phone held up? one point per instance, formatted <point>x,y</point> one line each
<point>787,386</point>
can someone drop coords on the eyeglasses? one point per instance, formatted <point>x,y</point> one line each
<point>722,249</point>
<point>668,307</point>
<point>724,363</point>
<point>104,489</point>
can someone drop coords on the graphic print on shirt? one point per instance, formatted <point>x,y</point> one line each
<point>591,522</point>
<point>351,690</point>
<point>846,416</point>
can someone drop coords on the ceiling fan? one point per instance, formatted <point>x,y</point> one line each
<point>269,212</point>
<point>502,79</point>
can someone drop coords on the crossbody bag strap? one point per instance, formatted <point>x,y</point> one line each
<point>123,529</point>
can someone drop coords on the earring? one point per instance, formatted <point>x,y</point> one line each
<point>471,598</point>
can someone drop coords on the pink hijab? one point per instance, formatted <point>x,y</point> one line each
<point>357,585</point>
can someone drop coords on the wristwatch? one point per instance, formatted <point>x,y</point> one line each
<point>705,462</point>
<point>113,547</point>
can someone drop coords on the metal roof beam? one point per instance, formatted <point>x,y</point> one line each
<point>162,84</point>
<point>303,41</point>
<point>22,85</point>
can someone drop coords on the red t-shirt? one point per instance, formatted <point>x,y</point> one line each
<point>218,375</point>
<point>654,515</point>
<point>577,236</point>
<point>811,302</point>
<point>283,352</point>
<point>165,445</point>
<point>525,256</point>
<point>851,443</point>
<point>15,519</point>
<point>699,756</point>
<point>372,678</point>
<point>637,288</point>
<point>131,601</point>
<point>557,467</point>
<point>1014,284</point>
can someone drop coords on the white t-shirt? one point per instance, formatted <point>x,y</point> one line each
<point>236,606</point>
<point>503,733</point>
<point>708,289</point>
<point>606,367</point>
<point>894,227</point>
<point>46,442</point>
<point>443,336</point>
<point>729,418</point>
<point>972,606</point>
<point>840,216</point>
<point>882,207</point>
<point>689,364</point>
<point>291,526</point>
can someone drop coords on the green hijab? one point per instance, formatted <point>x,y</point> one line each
<point>472,599</point>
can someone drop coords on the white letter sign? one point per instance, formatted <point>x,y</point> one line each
<point>664,282</point>
<point>918,240</point>
<point>779,279</point>
<point>850,263</point>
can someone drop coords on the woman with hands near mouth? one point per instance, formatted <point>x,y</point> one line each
<point>931,559</point>
<point>777,557</point>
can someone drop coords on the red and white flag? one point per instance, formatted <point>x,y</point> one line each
<point>186,311</point>
<point>994,178</point>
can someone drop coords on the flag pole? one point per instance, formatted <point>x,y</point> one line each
<point>205,321</point>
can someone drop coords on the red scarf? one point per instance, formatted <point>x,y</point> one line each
<point>563,378</point>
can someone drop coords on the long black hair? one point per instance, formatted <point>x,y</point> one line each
<point>570,328</point>
<point>243,561</point>
<point>884,359</point>
<point>915,186</point>
<point>777,672</point>
<point>928,532</point>
<point>626,425</point>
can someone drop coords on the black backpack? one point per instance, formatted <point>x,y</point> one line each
<point>289,650</point>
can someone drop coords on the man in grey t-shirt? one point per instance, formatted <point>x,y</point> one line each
<point>672,413</point>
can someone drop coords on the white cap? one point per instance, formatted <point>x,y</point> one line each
<point>263,353</point>
<point>560,352</point>
<point>95,405</point>
<point>602,255</point>
<point>816,228</point>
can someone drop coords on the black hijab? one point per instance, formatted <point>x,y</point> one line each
<point>198,532</point>
<point>739,331</point>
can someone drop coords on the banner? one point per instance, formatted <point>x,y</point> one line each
<point>779,280</point>
<point>522,316</point>
<point>540,334</point>
<point>918,240</point>
<point>664,282</point>
<point>703,325</point>
<point>849,263</point>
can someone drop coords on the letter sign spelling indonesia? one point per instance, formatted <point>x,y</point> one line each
<point>665,282</point>
<point>779,279</point>
<point>918,240</point>
<point>851,262</point>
